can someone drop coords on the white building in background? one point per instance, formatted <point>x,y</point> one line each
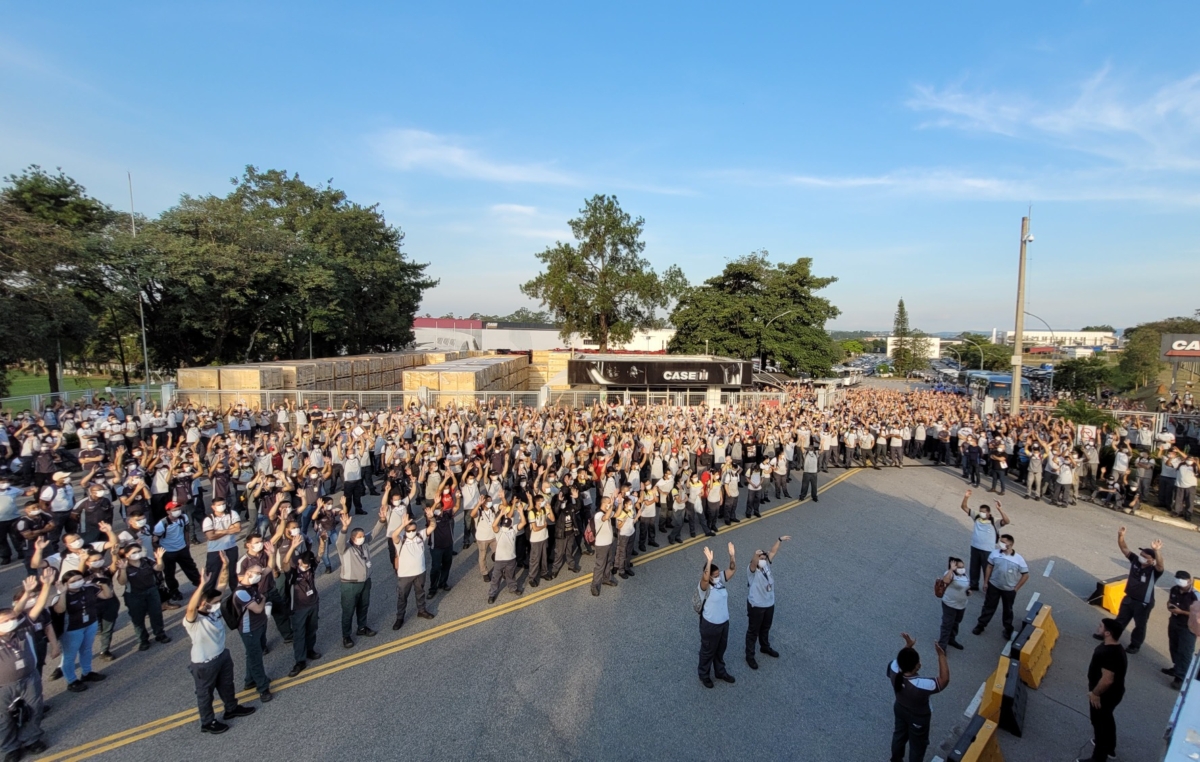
<point>1046,338</point>
<point>933,346</point>
<point>446,335</point>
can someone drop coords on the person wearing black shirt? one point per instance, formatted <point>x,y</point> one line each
<point>79,602</point>
<point>20,675</point>
<point>566,530</point>
<point>1106,688</point>
<point>94,510</point>
<point>1145,568</point>
<point>1180,638</point>
<point>139,575</point>
<point>911,708</point>
<point>305,607</point>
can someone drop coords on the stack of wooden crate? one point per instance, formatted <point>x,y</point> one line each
<point>549,367</point>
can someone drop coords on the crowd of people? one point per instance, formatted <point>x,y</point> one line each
<point>272,496</point>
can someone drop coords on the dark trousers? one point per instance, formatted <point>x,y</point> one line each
<point>8,532</point>
<point>183,560</point>
<point>304,632</point>
<point>676,532</point>
<point>808,481</point>
<point>991,600</point>
<point>504,572</point>
<point>439,568</point>
<point>646,532</point>
<point>566,552</point>
<point>998,477</point>
<point>1140,613</point>
<point>780,481</point>
<point>713,639</point>
<point>602,571</point>
<point>356,601</point>
<point>624,553</point>
<point>281,609</point>
<point>1166,492</point>
<point>212,565</point>
<point>1104,730</point>
<point>213,675</point>
<point>1182,644</point>
<point>979,560</point>
<point>951,617</point>
<point>353,492</point>
<point>758,629</point>
<point>711,507</point>
<point>911,730</point>
<point>255,643</point>
<point>753,500</point>
<point>539,565</point>
<point>414,584</point>
<point>140,603</point>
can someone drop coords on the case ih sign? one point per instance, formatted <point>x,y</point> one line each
<point>1180,347</point>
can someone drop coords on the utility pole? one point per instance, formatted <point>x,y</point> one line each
<point>1019,342</point>
<point>141,307</point>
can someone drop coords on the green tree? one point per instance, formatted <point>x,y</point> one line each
<point>45,221</point>
<point>754,308</point>
<point>911,348</point>
<point>521,315</point>
<point>996,357</point>
<point>1105,328</point>
<point>601,286</point>
<point>1140,361</point>
<point>1083,375</point>
<point>853,347</point>
<point>1080,412</point>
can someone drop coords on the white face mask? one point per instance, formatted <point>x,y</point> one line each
<point>75,544</point>
<point>255,548</point>
<point>294,531</point>
<point>135,557</point>
<point>254,579</point>
<point>8,626</point>
<point>358,540</point>
<point>960,572</point>
<point>176,514</point>
<point>76,585</point>
<point>96,565</point>
<point>218,509</point>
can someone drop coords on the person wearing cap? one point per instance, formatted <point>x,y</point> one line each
<point>1181,640</point>
<point>58,497</point>
<point>1106,688</point>
<point>911,708</point>
<point>1145,567</point>
<point>760,601</point>
<point>171,534</point>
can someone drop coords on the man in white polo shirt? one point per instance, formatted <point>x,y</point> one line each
<point>410,567</point>
<point>211,665</point>
<point>760,602</point>
<point>1006,574</point>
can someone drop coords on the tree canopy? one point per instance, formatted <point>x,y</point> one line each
<point>601,286</point>
<point>910,348</point>
<point>1083,375</point>
<point>1140,363</point>
<point>265,272</point>
<point>1103,327</point>
<point>754,308</point>
<point>995,356</point>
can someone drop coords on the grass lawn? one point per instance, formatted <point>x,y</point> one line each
<point>21,384</point>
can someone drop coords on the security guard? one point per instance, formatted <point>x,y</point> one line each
<point>1145,568</point>
<point>911,709</point>
<point>1182,641</point>
<point>714,618</point>
<point>760,602</point>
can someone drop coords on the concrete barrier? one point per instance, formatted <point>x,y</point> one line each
<point>977,743</point>
<point>1108,594</point>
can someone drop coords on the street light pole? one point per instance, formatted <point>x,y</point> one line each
<point>975,344</point>
<point>141,307</point>
<point>1019,341</point>
<point>762,360</point>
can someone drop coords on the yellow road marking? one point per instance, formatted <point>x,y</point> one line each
<point>147,730</point>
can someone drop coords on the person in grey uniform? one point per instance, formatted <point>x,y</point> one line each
<point>211,665</point>
<point>506,531</point>
<point>714,618</point>
<point>20,677</point>
<point>355,576</point>
<point>760,602</point>
<point>954,602</point>
<point>602,526</point>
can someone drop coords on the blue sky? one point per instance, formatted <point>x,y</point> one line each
<point>896,144</point>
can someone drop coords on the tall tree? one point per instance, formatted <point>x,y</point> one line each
<point>1140,362</point>
<point>996,357</point>
<point>754,308</point>
<point>601,286</point>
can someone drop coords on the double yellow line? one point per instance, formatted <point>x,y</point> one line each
<point>141,732</point>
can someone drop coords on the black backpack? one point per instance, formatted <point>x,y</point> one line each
<point>230,613</point>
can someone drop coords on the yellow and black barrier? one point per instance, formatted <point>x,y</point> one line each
<point>993,691</point>
<point>1033,645</point>
<point>977,743</point>
<point>1012,702</point>
<point>1108,594</point>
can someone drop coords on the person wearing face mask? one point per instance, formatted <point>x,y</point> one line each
<point>211,665</point>
<point>355,553</point>
<point>485,538</point>
<point>172,536</point>
<point>440,527</point>
<point>79,604</point>
<point>20,675</point>
<point>1181,640</point>
<point>10,516</point>
<point>954,602</point>
<point>985,533</point>
<point>507,529</point>
<point>604,547</point>
<point>33,525</point>
<point>470,497</point>
<point>1145,567</point>
<point>1106,688</point>
<point>99,571</point>
<point>305,607</point>
<point>221,530</point>
<point>138,574</point>
<point>760,602</point>
<point>328,519</point>
<point>250,606</point>
<point>410,566</point>
<point>714,618</point>
<point>1006,574</point>
<point>264,556</point>
<point>911,709</point>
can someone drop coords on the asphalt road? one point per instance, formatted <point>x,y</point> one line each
<point>561,674</point>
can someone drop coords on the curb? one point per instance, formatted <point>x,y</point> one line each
<point>1178,523</point>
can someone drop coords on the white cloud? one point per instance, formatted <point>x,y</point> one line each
<point>514,210</point>
<point>1108,118</point>
<point>419,150</point>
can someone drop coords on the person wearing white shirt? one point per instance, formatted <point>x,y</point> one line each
<point>714,618</point>
<point>410,567</point>
<point>760,602</point>
<point>1006,574</point>
<point>506,529</point>
<point>211,665</point>
<point>602,526</point>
